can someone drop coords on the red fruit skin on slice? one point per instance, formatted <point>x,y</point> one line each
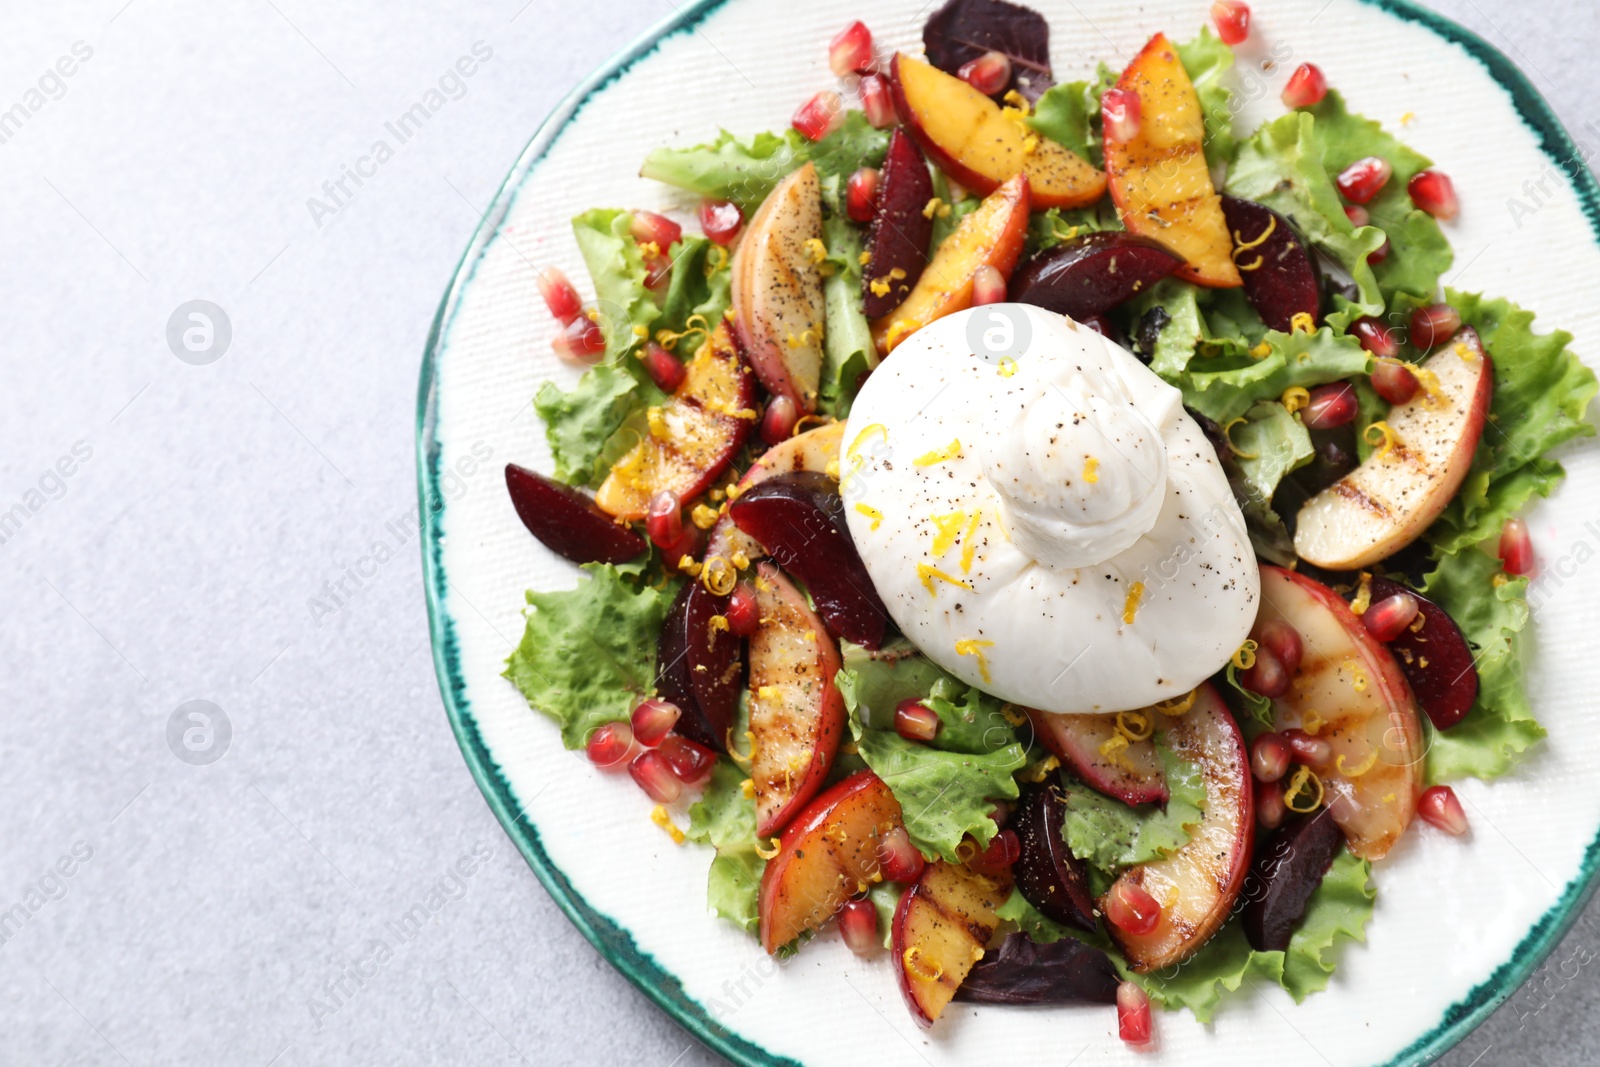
<point>1286,282</point>
<point>698,668</point>
<point>1447,687</point>
<point>900,233</point>
<point>1048,875</point>
<point>1090,275</point>
<point>567,522</point>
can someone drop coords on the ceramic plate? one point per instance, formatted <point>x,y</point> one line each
<point>1459,924</point>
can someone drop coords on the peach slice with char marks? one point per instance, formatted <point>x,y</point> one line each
<point>817,449</point>
<point>1348,691</point>
<point>777,289</point>
<point>690,439</point>
<point>975,142</point>
<point>991,236</point>
<point>796,713</point>
<point>940,930</point>
<point>828,854</point>
<point>1389,501</point>
<point>1198,884</point>
<point>1159,179</point>
<point>1130,772</point>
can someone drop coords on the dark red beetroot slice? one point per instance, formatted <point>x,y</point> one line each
<point>1090,275</point>
<point>699,668</point>
<point>1048,875</point>
<point>567,521</point>
<point>1026,972</point>
<point>799,519</point>
<point>1283,282</point>
<point>963,30</point>
<point>1436,659</point>
<point>1288,867</point>
<point>900,232</point>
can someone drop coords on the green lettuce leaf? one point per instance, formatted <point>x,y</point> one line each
<point>725,819</point>
<point>1207,60</point>
<point>700,286</point>
<point>1068,114</point>
<point>1226,387</point>
<point>588,654</point>
<point>943,795</point>
<point>1111,835</point>
<point>743,171</point>
<point>1037,925</point>
<point>1541,394</point>
<point>1268,445</point>
<point>616,266</point>
<point>874,683</point>
<point>1500,727</point>
<point>579,423</point>
<point>852,144</point>
<point>885,897</point>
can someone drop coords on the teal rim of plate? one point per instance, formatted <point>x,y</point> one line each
<point>615,943</point>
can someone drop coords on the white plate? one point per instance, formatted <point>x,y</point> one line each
<point>1459,924</point>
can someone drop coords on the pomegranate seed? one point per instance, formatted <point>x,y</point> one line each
<point>1130,907</point>
<point>1439,806</point>
<point>1133,1014</point>
<point>1375,338</point>
<point>817,116</point>
<point>720,220</point>
<point>877,101</point>
<point>858,924</point>
<point>1266,677</point>
<point>1379,254</point>
<point>914,721</point>
<point>689,760</point>
<point>610,745</point>
<point>851,51</point>
<point>1270,808</point>
<point>1435,193</point>
<point>990,73</point>
<point>1121,113</point>
<point>560,296</point>
<point>1312,751</point>
<point>1388,618</point>
<point>1516,548</point>
<point>650,228</point>
<point>777,424</point>
<point>861,194</point>
<point>901,862</point>
<point>1100,325</point>
<point>1232,19</point>
<point>999,815</point>
<point>1001,852</point>
<point>663,520</point>
<point>654,775</point>
<point>664,368</point>
<point>1358,215</point>
<point>1394,381</point>
<point>988,286</point>
<point>580,341</point>
<point>1330,406</point>
<point>654,719</point>
<point>1283,641</point>
<point>1269,757</point>
<point>1433,325</point>
<point>1363,179</point>
<point>687,544</point>
<point>1306,86</point>
<point>743,614</point>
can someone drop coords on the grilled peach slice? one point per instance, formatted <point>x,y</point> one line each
<point>978,145</point>
<point>816,449</point>
<point>1198,884</point>
<point>1387,502</point>
<point>991,236</point>
<point>796,713</point>
<point>1158,177</point>
<point>1349,691</point>
<point>692,437</point>
<point>828,854</point>
<point>940,930</point>
<point>1131,773</point>
<point>777,289</point>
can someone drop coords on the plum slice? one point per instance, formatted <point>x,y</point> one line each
<point>568,522</point>
<point>1288,867</point>
<point>1279,272</point>
<point>799,519</point>
<point>1131,773</point>
<point>900,231</point>
<point>940,929</point>
<point>1435,658</point>
<point>1023,971</point>
<point>1092,274</point>
<point>1049,876</point>
<point>700,668</point>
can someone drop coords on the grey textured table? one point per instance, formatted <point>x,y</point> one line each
<point>243,533</point>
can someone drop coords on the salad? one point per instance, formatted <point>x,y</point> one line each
<point>1053,536</point>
